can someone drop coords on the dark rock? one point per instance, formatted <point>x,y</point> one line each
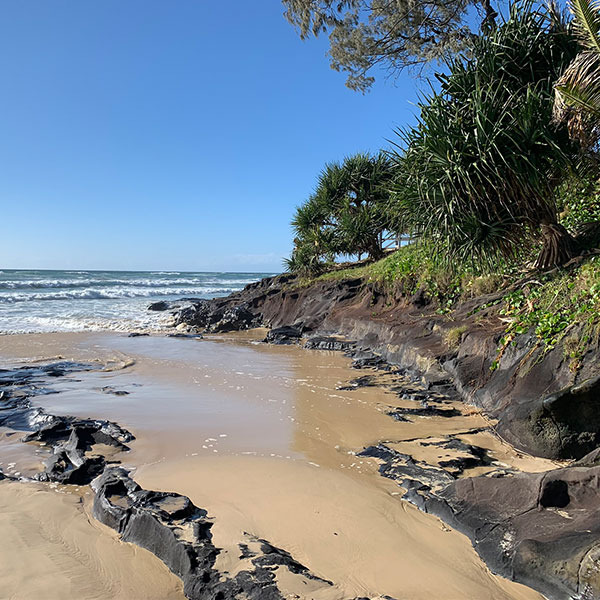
<point>569,420</point>
<point>420,299</point>
<point>363,359</point>
<point>472,456</point>
<point>69,438</point>
<point>216,316</point>
<point>283,335</point>
<point>540,529</point>
<point>426,410</point>
<point>179,533</point>
<point>137,334</point>
<point>108,389</point>
<point>590,460</point>
<point>186,336</point>
<point>359,382</point>
<point>403,468</point>
<point>321,342</point>
<point>161,305</point>
<point>555,493</point>
<point>233,319</point>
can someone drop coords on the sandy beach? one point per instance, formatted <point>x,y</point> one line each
<point>53,548</point>
<point>262,438</point>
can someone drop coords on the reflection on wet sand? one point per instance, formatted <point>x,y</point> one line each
<point>262,438</point>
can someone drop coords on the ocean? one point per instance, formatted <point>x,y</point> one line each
<point>54,301</point>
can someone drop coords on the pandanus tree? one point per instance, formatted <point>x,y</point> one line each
<point>577,101</point>
<point>480,169</point>
<point>347,213</point>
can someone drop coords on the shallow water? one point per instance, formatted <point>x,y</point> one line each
<point>38,301</point>
<point>261,437</point>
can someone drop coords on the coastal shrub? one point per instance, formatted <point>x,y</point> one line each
<point>345,216</point>
<point>410,269</point>
<point>478,173</point>
<point>480,285</point>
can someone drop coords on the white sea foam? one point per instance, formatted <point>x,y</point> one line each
<point>111,294</point>
<point>79,283</point>
<point>96,300</point>
<point>39,301</point>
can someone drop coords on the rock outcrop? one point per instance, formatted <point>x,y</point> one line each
<point>526,394</point>
<point>78,451</point>
<point>179,533</point>
<point>539,529</point>
<point>69,441</point>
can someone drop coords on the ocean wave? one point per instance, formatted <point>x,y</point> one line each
<point>112,294</point>
<point>86,283</point>
<point>35,324</point>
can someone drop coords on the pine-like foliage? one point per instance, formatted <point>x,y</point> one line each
<point>394,34</point>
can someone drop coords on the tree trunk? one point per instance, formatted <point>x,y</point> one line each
<point>558,246</point>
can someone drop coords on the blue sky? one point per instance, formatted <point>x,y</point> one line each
<point>181,135</point>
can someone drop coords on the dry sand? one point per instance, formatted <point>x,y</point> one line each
<point>261,437</point>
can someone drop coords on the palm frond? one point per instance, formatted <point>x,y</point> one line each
<point>587,22</point>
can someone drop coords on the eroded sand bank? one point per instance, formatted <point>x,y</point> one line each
<point>263,439</point>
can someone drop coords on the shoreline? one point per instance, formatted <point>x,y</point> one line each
<point>549,538</point>
<point>163,476</point>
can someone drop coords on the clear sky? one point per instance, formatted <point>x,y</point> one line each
<point>144,134</point>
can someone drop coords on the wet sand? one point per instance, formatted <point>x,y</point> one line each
<point>261,437</point>
<point>52,548</point>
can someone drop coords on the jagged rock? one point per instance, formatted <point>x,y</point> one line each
<point>233,319</point>
<point>179,533</point>
<point>186,336</point>
<point>540,529</point>
<point>137,334</point>
<point>215,316</point>
<point>321,342</point>
<point>69,438</point>
<point>426,410</point>
<point>108,389</point>
<point>284,335</point>
<point>569,420</point>
<point>403,468</point>
<point>362,359</point>
<point>358,382</point>
<point>161,305</point>
<point>472,456</point>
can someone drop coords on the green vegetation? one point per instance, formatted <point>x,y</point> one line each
<point>367,33</point>
<point>452,336</point>
<point>578,89</point>
<point>346,215</point>
<point>480,169</point>
<point>415,268</point>
<point>557,307</point>
<point>486,176</point>
<point>498,184</point>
